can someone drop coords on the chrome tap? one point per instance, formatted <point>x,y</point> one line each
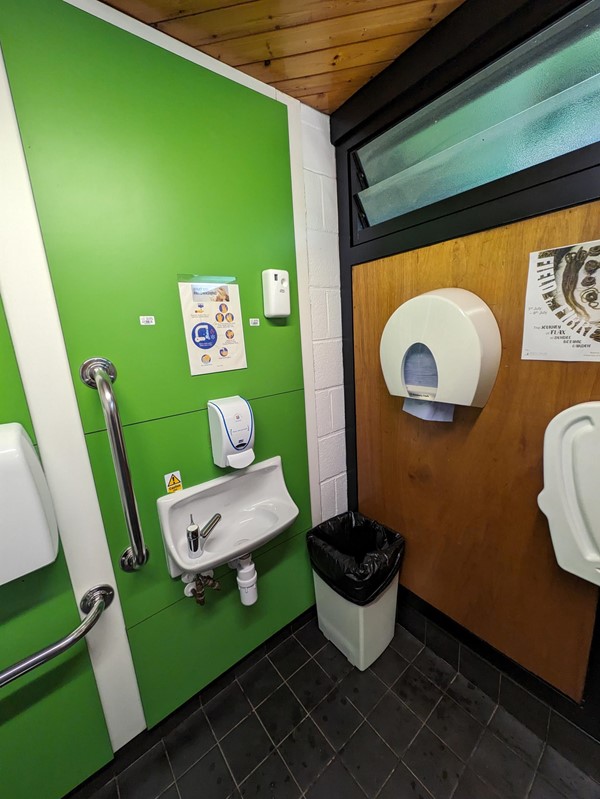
<point>210,526</point>
<point>196,536</point>
<point>193,531</point>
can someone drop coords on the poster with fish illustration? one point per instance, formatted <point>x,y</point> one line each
<point>562,306</point>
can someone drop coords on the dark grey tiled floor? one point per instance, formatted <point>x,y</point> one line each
<point>297,720</point>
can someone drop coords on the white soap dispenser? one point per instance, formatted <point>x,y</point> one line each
<point>231,431</point>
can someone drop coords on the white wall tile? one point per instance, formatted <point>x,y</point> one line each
<point>324,420</point>
<point>334,314</point>
<point>332,455</point>
<point>328,506</point>
<point>338,416</point>
<point>329,370</point>
<point>314,201</point>
<point>310,116</point>
<point>318,153</point>
<point>330,210</point>
<point>319,314</point>
<point>341,493</point>
<point>322,243</point>
<point>323,259</point>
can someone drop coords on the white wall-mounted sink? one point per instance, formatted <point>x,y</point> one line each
<point>254,504</point>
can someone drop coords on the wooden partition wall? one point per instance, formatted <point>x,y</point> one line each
<point>464,494</point>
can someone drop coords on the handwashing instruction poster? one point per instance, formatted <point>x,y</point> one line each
<point>212,319</point>
<point>562,306</point>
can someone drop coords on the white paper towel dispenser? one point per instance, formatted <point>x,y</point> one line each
<point>231,424</point>
<point>570,498</point>
<point>449,336</point>
<point>28,530</point>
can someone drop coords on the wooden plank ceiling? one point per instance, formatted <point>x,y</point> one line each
<point>320,51</point>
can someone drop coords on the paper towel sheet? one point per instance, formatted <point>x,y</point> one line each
<point>431,411</point>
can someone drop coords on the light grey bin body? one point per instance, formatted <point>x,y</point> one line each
<point>360,632</point>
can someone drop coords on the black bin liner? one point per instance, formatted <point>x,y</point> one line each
<point>357,557</point>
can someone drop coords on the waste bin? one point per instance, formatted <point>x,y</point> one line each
<point>355,563</point>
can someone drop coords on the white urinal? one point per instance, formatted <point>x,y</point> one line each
<point>571,495</point>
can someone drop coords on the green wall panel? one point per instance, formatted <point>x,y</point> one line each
<point>183,443</point>
<point>52,729</point>
<point>145,166</point>
<point>205,641</point>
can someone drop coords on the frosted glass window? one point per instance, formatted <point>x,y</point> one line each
<point>540,101</point>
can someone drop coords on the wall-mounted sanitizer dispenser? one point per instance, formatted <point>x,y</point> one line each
<point>276,293</point>
<point>441,347</point>
<point>28,531</point>
<point>231,431</point>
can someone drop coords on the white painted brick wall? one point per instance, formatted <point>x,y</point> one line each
<point>324,289</point>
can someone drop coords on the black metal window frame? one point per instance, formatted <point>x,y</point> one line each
<point>505,200</point>
<point>472,37</point>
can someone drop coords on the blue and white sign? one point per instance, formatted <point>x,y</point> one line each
<point>204,336</point>
<point>212,317</point>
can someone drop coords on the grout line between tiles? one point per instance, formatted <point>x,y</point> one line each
<point>166,751</point>
<point>218,740</point>
<point>362,718</point>
<point>229,769</point>
<point>307,714</point>
<point>535,771</point>
<point>276,749</point>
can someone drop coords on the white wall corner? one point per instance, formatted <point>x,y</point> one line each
<point>319,314</point>
<point>302,271</point>
<point>323,259</point>
<point>341,493</point>
<point>318,158</point>
<point>328,500</point>
<point>324,418</point>
<point>320,197</point>
<point>310,116</point>
<point>332,455</point>
<point>329,370</point>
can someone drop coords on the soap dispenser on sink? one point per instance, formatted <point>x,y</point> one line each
<point>225,520</point>
<point>231,432</point>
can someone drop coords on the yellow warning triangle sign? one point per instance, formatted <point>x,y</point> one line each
<point>174,484</point>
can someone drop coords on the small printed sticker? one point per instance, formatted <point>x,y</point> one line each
<point>173,482</point>
<point>254,322</point>
<point>147,320</point>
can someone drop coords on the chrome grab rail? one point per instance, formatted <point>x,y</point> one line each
<point>93,604</point>
<point>100,373</point>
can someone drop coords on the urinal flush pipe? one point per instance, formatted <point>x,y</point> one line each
<point>246,578</point>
